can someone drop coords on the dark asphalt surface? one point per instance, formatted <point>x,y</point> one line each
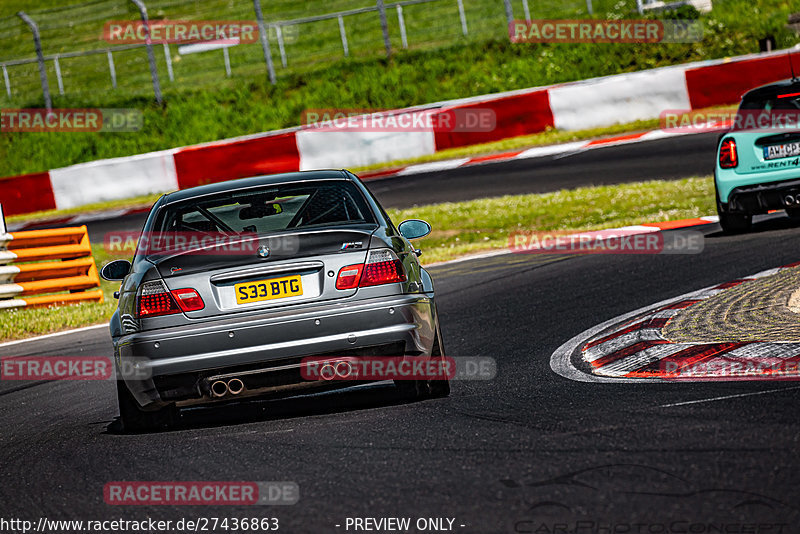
<point>663,159</point>
<point>529,450</point>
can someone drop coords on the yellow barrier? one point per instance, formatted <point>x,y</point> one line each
<point>60,268</point>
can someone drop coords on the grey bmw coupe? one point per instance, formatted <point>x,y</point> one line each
<point>234,285</point>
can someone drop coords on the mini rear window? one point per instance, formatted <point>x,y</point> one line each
<point>270,209</point>
<point>781,100</point>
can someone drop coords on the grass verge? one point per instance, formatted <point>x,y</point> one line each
<point>460,228</point>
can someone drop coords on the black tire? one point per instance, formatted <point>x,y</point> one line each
<point>734,223</point>
<point>439,388</point>
<point>134,419</point>
<point>793,213</point>
<point>423,389</point>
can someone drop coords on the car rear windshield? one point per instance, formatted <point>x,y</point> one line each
<point>270,209</point>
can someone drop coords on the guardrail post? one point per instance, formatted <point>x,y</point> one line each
<point>168,60</point>
<point>226,56</point>
<point>509,13</point>
<point>58,76</point>
<point>589,7</point>
<point>37,42</point>
<point>639,6</point>
<point>111,69</point>
<point>402,23</point>
<point>343,35</point>
<point>7,82</point>
<point>262,30</point>
<point>384,28</point>
<point>463,17</point>
<point>151,58</point>
<point>279,35</point>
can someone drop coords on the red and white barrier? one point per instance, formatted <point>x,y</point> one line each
<point>571,106</point>
<point>112,179</point>
<point>320,149</point>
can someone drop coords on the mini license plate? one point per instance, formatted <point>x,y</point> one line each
<point>782,151</point>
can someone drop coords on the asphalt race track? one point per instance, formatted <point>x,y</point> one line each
<point>529,450</point>
<point>662,159</point>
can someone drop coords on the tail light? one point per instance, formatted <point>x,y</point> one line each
<point>382,267</point>
<point>154,299</point>
<point>188,299</point>
<point>728,158</point>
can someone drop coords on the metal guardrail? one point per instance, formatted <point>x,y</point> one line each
<point>410,23</point>
<point>49,267</point>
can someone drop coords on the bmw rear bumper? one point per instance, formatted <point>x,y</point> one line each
<point>177,361</point>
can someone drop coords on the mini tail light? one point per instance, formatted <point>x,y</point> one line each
<point>728,157</point>
<point>188,299</point>
<point>382,267</point>
<point>154,299</point>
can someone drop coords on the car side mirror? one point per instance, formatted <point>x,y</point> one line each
<point>116,270</point>
<point>414,228</point>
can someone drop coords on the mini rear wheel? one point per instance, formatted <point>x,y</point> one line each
<point>794,213</point>
<point>734,223</point>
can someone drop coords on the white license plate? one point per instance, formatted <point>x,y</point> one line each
<point>782,151</point>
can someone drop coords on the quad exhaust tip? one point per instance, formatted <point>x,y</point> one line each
<point>235,386</point>
<point>789,200</point>
<point>220,388</point>
<point>340,369</point>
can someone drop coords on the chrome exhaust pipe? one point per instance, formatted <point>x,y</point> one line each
<point>219,388</point>
<point>343,369</point>
<point>789,200</point>
<point>235,386</point>
<point>327,372</point>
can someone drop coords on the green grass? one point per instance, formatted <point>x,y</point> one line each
<point>460,228</point>
<point>206,106</point>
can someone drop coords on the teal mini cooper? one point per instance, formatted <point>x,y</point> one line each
<point>758,160</point>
